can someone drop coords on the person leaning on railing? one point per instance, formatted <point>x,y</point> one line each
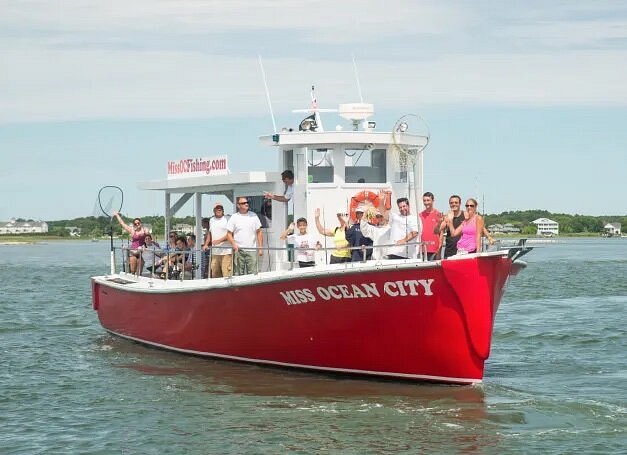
<point>151,255</point>
<point>182,259</point>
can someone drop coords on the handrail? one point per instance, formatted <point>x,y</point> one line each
<point>198,260</point>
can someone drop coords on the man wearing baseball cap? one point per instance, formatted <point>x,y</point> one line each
<point>356,239</point>
<point>221,253</point>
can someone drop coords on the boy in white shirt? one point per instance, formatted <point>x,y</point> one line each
<point>302,242</point>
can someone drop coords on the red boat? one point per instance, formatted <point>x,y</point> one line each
<point>411,319</point>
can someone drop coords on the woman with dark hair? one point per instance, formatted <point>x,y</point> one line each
<point>151,255</point>
<point>138,239</point>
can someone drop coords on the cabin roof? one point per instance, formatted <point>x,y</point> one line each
<point>218,184</point>
<point>328,138</point>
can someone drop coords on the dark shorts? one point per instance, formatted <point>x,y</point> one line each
<point>339,260</point>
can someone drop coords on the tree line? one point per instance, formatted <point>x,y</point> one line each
<point>569,224</point>
<point>92,226</point>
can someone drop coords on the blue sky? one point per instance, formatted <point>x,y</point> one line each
<point>526,101</point>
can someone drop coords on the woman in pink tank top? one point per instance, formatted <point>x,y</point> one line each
<point>470,229</point>
<point>138,240</point>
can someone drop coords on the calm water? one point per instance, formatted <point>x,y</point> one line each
<point>556,381</point>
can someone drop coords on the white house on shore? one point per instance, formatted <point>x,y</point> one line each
<point>547,227</point>
<point>183,228</point>
<point>507,228</point>
<point>23,227</point>
<point>612,229</point>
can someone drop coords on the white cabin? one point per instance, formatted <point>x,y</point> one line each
<point>330,167</point>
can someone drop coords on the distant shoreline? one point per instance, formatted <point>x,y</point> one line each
<point>30,239</point>
<point>33,239</point>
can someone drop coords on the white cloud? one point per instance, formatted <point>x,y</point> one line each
<point>344,18</point>
<point>560,34</point>
<point>69,60</point>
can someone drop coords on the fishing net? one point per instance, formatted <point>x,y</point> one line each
<point>110,200</point>
<point>405,155</point>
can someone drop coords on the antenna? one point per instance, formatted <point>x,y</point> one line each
<point>265,84</point>
<point>361,98</point>
<point>314,108</point>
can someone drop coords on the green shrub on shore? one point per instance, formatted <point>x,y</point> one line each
<point>97,227</point>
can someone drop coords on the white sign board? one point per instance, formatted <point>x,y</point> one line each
<point>198,167</point>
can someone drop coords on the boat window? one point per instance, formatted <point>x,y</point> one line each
<point>288,160</point>
<point>405,164</point>
<point>320,165</point>
<point>365,166</point>
<point>262,207</point>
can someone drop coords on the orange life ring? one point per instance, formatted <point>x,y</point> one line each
<point>360,198</point>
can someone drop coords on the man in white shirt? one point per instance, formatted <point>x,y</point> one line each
<point>244,233</point>
<point>372,226</point>
<point>288,178</point>
<point>221,252</point>
<point>403,229</point>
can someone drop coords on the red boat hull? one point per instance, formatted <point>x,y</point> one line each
<point>430,321</point>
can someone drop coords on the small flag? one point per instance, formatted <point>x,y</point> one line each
<point>314,101</point>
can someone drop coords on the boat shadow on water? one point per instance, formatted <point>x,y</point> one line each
<point>458,414</point>
<point>245,378</point>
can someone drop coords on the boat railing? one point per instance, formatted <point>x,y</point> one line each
<point>190,263</point>
<point>195,263</point>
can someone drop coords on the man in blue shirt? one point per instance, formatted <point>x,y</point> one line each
<point>356,239</point>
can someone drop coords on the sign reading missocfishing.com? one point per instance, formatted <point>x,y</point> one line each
<point>198,167</point>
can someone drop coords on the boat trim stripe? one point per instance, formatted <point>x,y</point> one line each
<point>299,365</point>
<point>150,285</point>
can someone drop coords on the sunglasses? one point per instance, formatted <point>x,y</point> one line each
<point>470,205</point>
<point>243,203</point>
<point>136,224</point>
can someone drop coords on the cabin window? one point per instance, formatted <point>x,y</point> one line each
<point>364,166</point>
<point>288,160</point>
<point>320,165</point>
<point>262,207</point>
